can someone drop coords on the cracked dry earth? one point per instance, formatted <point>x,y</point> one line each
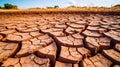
<point>60,40</point>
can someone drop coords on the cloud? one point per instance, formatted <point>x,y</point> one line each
<point>72,2</point>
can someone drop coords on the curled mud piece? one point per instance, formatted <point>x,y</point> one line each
<point>33,29</point>
<point>97,29</point>
<point>7,50</point>
<point>71,30</point>
<point>60,26</point>
<point>110,25</point>
<point>18,37</point>
<point>33,45</point>
<point>75,40</point>
<point>75,27</point>
<point>97,44</point>
<point>96,61</point>
<point>49,52</point>
<point>114,35</point>
<point>94,23</point>
<point>73,55</point>
<point>52,30</point>
<point>91,33</point>
<point>113,55</point>
<point>29,61</point>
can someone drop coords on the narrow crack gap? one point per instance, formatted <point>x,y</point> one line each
<point>99,60</point>
<point>64,30</point>
<point>17,30</point>
<point>20,36</point>
<point>17,50</point>
<point>20,62</point>
<point>84,41</point>
<point>70,52</point>
<point>36,62</point>
<point>16,63</point>
<point>92,62</point>
<point>70,40</point>
<point>80,53</point>
<point>31,34</point>
<point>85,62</point>
<point>31,42</point>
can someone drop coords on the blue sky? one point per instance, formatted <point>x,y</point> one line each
<point>62,3</point>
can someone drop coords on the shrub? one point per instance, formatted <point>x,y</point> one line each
<point>56,6</point>
<point>10,6</point>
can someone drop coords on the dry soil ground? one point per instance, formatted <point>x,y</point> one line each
<point>59,40</point>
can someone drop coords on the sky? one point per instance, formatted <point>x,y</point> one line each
<point>23,4</point>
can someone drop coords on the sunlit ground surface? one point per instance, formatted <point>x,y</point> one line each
<point>59,39</point>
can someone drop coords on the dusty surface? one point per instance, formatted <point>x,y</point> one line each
<point>59,40</point>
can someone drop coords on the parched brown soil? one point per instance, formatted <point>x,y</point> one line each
<point>59,40</point>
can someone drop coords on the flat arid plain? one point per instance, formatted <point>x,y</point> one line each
<point>59,38</point>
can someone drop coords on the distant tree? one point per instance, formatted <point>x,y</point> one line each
<point>118,5</point>
<point>56,6</point>
<point>84,7</point>
<point>72,6</point>
<point>10,6</point>
<point>49,7</point>
<point>1,7</point>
